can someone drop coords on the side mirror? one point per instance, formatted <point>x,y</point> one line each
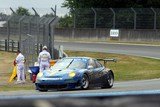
<point>90,67</point>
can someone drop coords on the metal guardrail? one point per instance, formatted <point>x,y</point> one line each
<point>12,47</point>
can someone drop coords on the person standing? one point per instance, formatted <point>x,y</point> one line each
<point>44,59</point>
<point>20,60</point>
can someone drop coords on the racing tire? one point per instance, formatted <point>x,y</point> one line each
<point>85,82</point>
<point>40,89</point>
<point>109,80</point>
<point>43,90</point>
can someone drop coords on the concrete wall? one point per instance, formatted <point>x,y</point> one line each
<point>101,34</point>
<point>140,35</point>
<point>104,34</point>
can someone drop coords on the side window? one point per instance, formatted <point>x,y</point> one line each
<point>92,62</point>
<point>98,64</point>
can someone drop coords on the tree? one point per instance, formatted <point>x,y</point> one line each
<point>49,15</point>
<point>3,17</point>
<point>110,3</point>
<point>22,11</point>
<point>153,3</point>
<point>125,18</point>
<point>66,21</point>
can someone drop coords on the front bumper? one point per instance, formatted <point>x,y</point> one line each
<point>57,83</point>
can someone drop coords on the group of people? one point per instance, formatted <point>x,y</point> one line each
<point>43,60</point>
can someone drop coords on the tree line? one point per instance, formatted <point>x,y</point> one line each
<point>72,5</point>
<point>111,3</point>
<point>84,20</point>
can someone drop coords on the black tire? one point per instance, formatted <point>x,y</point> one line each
<point>40,89</point>
<point>109,80</point>
<point>85,82</point>
<point>43,90</point>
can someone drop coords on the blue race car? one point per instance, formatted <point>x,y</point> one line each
<point>75,72</point>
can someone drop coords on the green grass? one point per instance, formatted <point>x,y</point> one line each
<point>13,87</point>
<point>125,69</point>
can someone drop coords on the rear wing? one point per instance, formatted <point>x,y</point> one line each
<point>106,60</point>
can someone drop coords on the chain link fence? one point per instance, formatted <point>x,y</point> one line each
<point>31,32</point>
<point>127,18</point>
<point>40,28</point>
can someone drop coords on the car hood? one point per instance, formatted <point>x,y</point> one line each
<point>58,73</point>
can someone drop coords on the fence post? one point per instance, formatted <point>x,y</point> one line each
<point>74,23</point>
<point>74,20</point>
<point>51,33</point>
<point>135,18</point>
<point>54,10</point>
<point>114,18</point>
<point>0,45</point>
<point>45,32</point>
<point>41,47</point>
<point>35,12</point>
<point>37,22</point>
<point>8,34</point>
<point>12,11</point>
<point>29,25</point>
<point>95,18</point>
<point>155,18</point>
<point>8,27</point>
<point>18,45</point>
<point>52,25</point>
<point>20,35</point>
<point>38,38</point>
<point>12,42</point>
<point>6,45</point>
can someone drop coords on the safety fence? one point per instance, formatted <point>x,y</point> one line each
<point>13,45</point>
<point>30,33</point>
<point>128,18</point>
<point>28,50</point>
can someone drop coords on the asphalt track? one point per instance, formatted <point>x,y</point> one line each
<point>152,51</point>
<point>123,94</point>
<point>143,87</point>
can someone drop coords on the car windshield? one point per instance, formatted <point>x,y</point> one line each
<point>76,63</point>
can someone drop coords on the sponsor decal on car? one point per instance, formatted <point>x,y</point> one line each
<point>51,79</point>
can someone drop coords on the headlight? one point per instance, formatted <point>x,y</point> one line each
<point>72,74</point>
<point>40,74</point>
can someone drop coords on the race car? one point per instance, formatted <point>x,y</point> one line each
<point>75,72</point>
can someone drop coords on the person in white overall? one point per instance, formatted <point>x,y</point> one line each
<point>20,60</point>
<point>44,59</point>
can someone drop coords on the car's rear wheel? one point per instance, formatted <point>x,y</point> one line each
<point>85,82</point>
<point>109,80</point>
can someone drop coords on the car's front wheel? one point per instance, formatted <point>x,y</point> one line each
<point>40,88</point>
<point>85,82</point>
<point>43,90</point>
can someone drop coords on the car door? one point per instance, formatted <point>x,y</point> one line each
<point>98,71</point>
<point>92,71</point>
